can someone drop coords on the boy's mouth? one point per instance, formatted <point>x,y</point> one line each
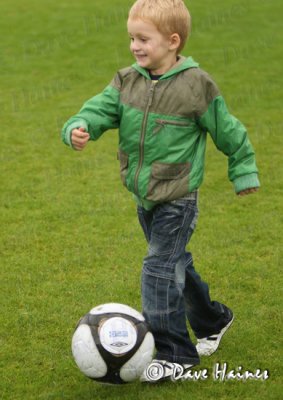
<point>140,56</point>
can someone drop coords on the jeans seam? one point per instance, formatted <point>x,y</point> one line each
<point>180,232</point>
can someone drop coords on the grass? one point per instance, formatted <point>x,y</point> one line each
<point>70,238</point>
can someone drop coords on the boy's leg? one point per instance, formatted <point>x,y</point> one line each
<point>167,228</point>
<point>169,278</point>
<point>206,317</point>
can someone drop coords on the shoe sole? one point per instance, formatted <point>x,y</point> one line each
<point>217,342</point>
<point>156,372</point>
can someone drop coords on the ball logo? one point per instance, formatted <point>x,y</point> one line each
<point>117,335</point>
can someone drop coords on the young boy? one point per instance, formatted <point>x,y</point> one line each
<point>164,105</point>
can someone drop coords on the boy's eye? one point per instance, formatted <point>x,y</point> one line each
<point>143,40</point>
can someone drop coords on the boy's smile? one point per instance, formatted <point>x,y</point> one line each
<point>151,49</point>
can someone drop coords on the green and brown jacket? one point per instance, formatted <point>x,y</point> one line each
<point>162,131</point>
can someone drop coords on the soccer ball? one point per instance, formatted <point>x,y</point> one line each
<point>112,344</point>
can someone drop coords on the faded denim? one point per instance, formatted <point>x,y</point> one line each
<point>172,291</point>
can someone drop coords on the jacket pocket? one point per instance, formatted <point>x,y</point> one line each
<point>168,181</point>
<point>161,123</point>
<point>124,162</point>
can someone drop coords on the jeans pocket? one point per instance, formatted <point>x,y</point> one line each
<point>160,295</point>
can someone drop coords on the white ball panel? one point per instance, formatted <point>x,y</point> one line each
<point>133,368</point>
<point>116,308</point>
<point>86,354</point>
<point>118,335</point>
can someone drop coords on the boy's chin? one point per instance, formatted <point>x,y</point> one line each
<point>144,64</point>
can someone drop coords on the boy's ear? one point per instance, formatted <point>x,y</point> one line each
<point>175,41</point>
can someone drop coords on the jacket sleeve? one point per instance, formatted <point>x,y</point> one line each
<point>97,115</point>
<point>229,136</point>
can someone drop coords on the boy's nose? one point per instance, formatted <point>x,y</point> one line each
<point>134,46</point>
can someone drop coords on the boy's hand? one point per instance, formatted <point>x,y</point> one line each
<point>79,138</point>
<point>247,191</point>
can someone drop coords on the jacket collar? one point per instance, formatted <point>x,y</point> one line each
<point>182,64</point>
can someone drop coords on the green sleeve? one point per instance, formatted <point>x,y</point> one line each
<point>230,137</point>
<point>97,115</point>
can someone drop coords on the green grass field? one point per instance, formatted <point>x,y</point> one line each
<point>69,234</point>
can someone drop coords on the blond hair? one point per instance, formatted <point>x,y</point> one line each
<point>169,16</point>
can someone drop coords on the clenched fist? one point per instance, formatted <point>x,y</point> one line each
<point>79,138</point>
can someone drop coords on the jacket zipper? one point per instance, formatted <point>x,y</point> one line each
<point>143,134</point>
<point>163,122</point>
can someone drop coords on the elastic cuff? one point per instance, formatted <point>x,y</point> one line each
<point>246,182</point>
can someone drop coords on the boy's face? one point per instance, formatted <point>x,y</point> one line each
<point>151,49</point>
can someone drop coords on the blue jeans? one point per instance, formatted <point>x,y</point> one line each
<point>172,291</point>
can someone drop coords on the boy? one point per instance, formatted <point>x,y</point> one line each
<point>164,105</point>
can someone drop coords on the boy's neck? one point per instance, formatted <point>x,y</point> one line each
<point>161,71</point>
<point>154,77</point>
